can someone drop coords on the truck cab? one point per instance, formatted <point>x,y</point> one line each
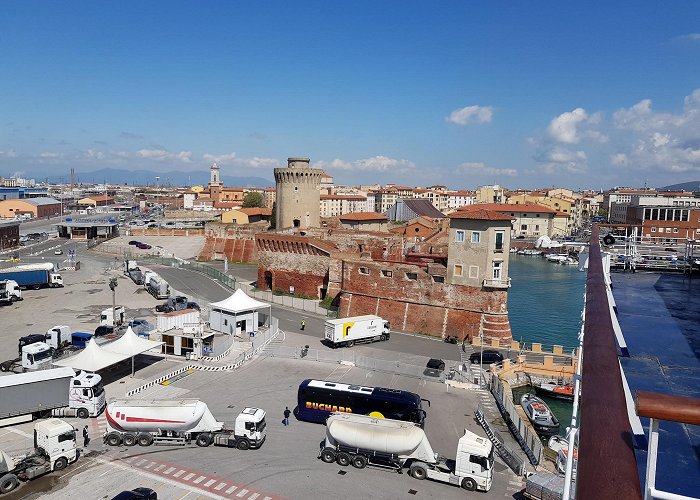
<point>55,280</point>
<point>56,440</point>
<point>36,356</point>
<point>10,291</point>
<point>59,336</point>
<point>111,317</point>
<point>474,461</point>
<point>250,424</point>
<point>87,395</point>
<point>29,340</point>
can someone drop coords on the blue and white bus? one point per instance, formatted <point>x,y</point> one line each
<point>317,399</point>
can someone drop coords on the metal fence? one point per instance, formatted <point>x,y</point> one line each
<point>509,456</point>
<point>528,439</point>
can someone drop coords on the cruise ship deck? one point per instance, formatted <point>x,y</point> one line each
<point>660,318</point>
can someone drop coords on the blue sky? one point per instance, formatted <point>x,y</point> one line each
<point>463,93</point>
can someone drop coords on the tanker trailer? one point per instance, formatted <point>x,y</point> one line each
<point>179,422</point>
<point>363,440</point>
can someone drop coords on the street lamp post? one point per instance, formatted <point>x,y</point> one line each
<point>481,349</point>
<point>113,287</point>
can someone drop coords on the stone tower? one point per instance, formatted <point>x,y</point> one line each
<point>215,183</point>
<point>298,197</point>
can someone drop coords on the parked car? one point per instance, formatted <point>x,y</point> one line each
<point>137,494</point>
<point>103,330</point>
<point>489,356</point>
<point>434,367</point>
<point>193,305</point>
<point>58,251</point>
<point>134,242</point>
<point>138,322</point>
<point>144,246</point>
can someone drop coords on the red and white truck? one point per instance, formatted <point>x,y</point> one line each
<point>179,422</point>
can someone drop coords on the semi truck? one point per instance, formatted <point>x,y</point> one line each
<point>113,317</point>
<point>57,391</point>
<point>33,275</point>
<point>33,357</point>
<point>179,422</point>
<point>59,339</point>
<point>10,291</point>
<point>363,440</point>
<point>347,331</point>
<point>54,449</point>
<point>158,287</point>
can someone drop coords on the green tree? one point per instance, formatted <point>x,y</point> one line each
<point>252,200</point>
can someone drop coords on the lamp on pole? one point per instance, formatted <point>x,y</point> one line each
<point>113,287</point>
<point>481,349</point>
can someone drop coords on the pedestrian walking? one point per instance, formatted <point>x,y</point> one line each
<point>303,325</point>
<point>285,421</point>
<point>86,437</point>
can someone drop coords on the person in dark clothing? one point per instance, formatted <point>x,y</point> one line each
<point>285,421</point>
<point>303,324</point>
<point>86,437</point>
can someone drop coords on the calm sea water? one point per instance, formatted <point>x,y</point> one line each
<point>545,301</point>
<point>544,305</point>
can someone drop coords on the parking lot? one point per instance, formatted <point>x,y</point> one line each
<point>285,467</point>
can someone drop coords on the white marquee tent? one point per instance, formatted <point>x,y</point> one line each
<point>237,314</point>
<point>96,357</point>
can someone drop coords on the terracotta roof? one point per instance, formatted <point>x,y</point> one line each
<point>359,216</point>
<point>101,197</point>
<point>479,214</point>
<point>256,211</point>
<point>343,197</point>
<point>507,207</point>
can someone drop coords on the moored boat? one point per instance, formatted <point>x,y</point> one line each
<point>553,390</point>
<point>542,418</point>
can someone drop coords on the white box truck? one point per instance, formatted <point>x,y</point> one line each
<point>36,356</point>
<point>347,331</point>
<point>179,422</point>
<point>362,440</point>
<point>57,392</point>
<point>54,449</point>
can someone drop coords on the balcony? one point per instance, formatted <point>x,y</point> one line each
<point>496,283</point>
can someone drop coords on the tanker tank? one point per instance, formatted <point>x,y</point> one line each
<point>186,415</point>
<point>383,435</point>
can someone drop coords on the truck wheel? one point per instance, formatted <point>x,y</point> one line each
<point>144,439</point>
<point>359,461</point>
<point>328,455</point>
<point>382,337</point>
<point>468,484</point>
<point>4,367</point>
<point>342,459</point>
<point>8,483</point>
<point>418,472</point>
<point>36,287</point>
<point>203,440</point>
<point>60,463</point>
<point>243,444</point>
<point>129,440</point>
<point>83,413</point>
<point>350,343</point>
<point>113,439</point>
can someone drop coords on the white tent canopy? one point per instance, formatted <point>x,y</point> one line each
<point>92,358</point>
<point>237,314</point>
<point>96,357</point>
<point>239,302</point>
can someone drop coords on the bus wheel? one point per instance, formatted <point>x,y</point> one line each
<point>468,484</point>
<point>359,461</point>
<point>418,472</point>
<point>328,455</point>
<point>343,459</point>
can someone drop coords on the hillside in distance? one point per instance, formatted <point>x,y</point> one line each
<point>691,186</point>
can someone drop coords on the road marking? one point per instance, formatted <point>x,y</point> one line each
<point>242,493</point>
<point>209,483</point>
<point>140,462</point>
<point>189,476</point>
<point>168,471</point>
<point>220,486</point>
<point>179,473</point>
<point>183,496</point>
<point>149,465</point>
<point>232,489</point>
<point>253,496</point>
<point>199,479</point>
<point>159,468</point>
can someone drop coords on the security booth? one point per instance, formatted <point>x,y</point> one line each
<point>238,315</point>
<point>77,229</point>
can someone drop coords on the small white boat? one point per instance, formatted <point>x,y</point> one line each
<point>542,418</point>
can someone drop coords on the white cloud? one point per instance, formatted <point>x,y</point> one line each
<point>162,154</point>
<point>690,37</point>
<point>225,158</point>
<point>478,114</point>
<point>48,155</point>
<point>374,164</point>
<point>233,159</point>
<point>619,160</point>
<point>480,169</point>
<point>558,160</point>
<point>8,154</point>
<point>563,127</point>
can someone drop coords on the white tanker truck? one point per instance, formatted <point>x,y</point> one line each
<point>178,422</point>
<point>362,440</point>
